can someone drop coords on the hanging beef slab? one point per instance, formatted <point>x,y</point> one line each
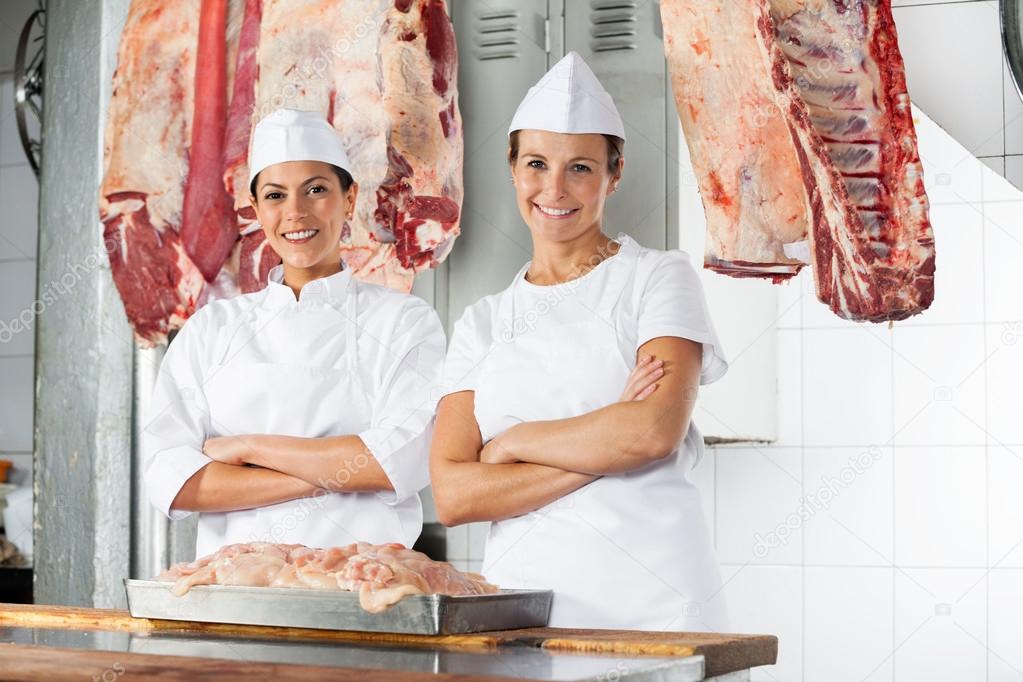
<point>145,156</point>
<point>800,130</point>
<point>383,71</point>
<point>175,198</point>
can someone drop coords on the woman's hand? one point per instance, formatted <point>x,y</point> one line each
<point>640,384</point>
<point>494,452</point>
<point>643,379</point>
<point>236,450</point>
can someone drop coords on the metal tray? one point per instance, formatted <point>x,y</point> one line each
<point>433,614</point>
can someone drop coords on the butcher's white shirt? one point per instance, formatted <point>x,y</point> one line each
<point>629,550</point>
<point>347,358</point>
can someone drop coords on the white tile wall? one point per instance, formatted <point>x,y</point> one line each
<point>835,625</point>
<point>941,624</point>
<point>850,402</point>
<point>18,234</point>
<point>770,481</point>
<point>912,567</point>
<point>1003,247</point>
<point>17,317</point>
<point>769,599</point>
<point>1005,623</point>
<point>939,396</point>
<point>1014,169</point>
<point>848,494</point>
<point>16,404</point>
<point>940,506</point>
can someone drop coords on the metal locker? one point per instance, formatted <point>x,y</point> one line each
<point>502,52</point>
<point>622,42</point>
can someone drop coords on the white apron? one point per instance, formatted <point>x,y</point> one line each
<point>247,395</point>
<point>626,551</point>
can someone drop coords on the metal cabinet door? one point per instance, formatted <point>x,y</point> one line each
<point>622,42</point>
<point>502,52</point>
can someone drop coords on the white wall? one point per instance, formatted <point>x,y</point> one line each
<point>957,74</point>
<point>18,232</point>
<point>909,564</point>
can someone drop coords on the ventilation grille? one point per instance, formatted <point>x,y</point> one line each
<point>497,35</point>
<point>613,25</point>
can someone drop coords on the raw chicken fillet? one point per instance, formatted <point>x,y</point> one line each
<point>381,574</point>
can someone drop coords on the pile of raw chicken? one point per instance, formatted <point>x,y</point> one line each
<point>381,574</point>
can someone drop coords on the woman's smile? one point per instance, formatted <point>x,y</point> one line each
<point>300,236</point>
<point>555,213</point>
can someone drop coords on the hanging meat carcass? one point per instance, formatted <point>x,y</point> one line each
<point>384,73</point>
<point>801,135</point>
<point>145,162</point>
<point>174,201</point>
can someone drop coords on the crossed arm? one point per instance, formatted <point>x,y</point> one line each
<point>535,463</point>
<point>283,468</point>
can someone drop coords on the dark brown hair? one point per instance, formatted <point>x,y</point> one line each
<point>343,177</point>
<point>615,149</point>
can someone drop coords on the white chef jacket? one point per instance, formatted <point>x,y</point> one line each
<point>347,358</point>
<point>629,550</point>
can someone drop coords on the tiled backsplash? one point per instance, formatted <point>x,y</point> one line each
<point>17,288</point>
<point>881,538</point>
<point>18,232</point>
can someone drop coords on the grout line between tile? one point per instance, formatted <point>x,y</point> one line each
<point>987,417</point>
<point>891,371</point>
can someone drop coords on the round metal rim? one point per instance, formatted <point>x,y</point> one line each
<point>19,89</point>
<point>1012,39</point>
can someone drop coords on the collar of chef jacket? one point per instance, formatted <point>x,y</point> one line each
<point>331,289</point>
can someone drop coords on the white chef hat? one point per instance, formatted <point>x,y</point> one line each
<point>569,99</point>
<point>292,135</point>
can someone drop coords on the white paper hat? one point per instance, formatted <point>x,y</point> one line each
<point>569,99</point>
<point>291,135</point>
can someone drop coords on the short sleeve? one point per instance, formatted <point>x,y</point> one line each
<point>180,423</point>
<point>466,351</point>
<point>672,304</point>
<point>405,397</point>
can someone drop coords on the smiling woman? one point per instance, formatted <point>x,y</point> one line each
<point>302,192</point>
<point>565,420</point>
<point>302,207</point>
<point>299,414</point>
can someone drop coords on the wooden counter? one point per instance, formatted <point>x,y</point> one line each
<point>723,653</point>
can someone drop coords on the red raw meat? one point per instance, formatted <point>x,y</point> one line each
<point>800,129</point>
<point>145,159</point>
<point>206,226</point>
<point>175,200</point>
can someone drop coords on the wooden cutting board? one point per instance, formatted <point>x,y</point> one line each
<point>723,653</point>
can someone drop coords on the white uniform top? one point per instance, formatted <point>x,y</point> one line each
<point>630,550</point>
<point>348,358</point>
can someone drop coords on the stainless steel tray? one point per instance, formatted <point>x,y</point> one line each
<point>433,614</point>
